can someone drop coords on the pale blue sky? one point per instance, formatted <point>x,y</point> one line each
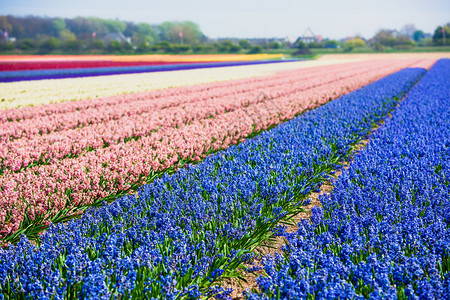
<point>253,18</point>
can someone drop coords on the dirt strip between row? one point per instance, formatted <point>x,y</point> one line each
<point>240,288</point>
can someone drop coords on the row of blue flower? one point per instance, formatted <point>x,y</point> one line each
<point>181,234</point>
<point>10,76</point>
<point>384,231</point>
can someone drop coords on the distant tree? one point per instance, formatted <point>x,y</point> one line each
<point>5,25</point>
<point>127,47</point>
<point>114,46</point>
<point>144,47</point>
<point>235,48</point>
<point>25,44</point>
<point>438,36</point>
<point>72,45</point>
<point>385,37</point>
<point>274,45</point>
<point>301,45</point>
<point>256,49</point>
<point>224,46</point>
<point>83,28</point>
<point>403,39</point>
<point>114,25</point>
<point>30,27</point>
<point>312,45</point>
<point>408,30</point>
<point>203,48</point>
<point>244,44</point>
<point>404,43</point>
<point>418,35</point>
<point>356,43</point>
<point>145,33</point>
<point>97,44</point>
<point>189,31</point>
<point>162,46</point>
<point>379,47</point>
<point>50,44</point>
<point>67,35</point>
<point>6,46</point>
<point>330,44</point>
<point>58,25</point>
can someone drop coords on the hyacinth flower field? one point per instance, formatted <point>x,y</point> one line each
<point>384,230</point>
<point>172,193</point>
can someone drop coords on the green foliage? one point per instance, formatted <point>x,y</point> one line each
<point>244,44</point>
<point>58,25</point>
<point>438,36</point>
<point>330,44</point>
<point>203,48</point>
<point>50,44</point>
<point>356,43</point>
<point>301,45</point>
<point>313,45</point>
<point>127,46</point>
<point>235,48</point>
<point>177,48</point>
<point>227,46</point>
<point>418,35</point>
<point>25,44</point>
<point>162,46</point>
<point>348,48</point>
<point>274,45</point>
<point>144,47</point>
<point>71,34</point>
<point>302,52</point>
<point>84,27</point>
<point>385,37</point>
<point>4,24</point>
<point>67,35</point>
<point>97,44</point>
<point>114,25</point>
<point>379,47</point>
<point>72,45</point>
<point>114,46</point>
<point>256,49</point>
<point>146,29</point>
<point>191,34</point>
<point>145,33</point>
<point>7,46</point>
<point>404,43</point>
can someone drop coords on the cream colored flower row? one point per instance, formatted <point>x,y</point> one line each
<point>25,93</point>
<point>38,92</point>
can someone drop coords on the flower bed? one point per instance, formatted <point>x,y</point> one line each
<point>383,233</point>
<point>32,93</point>
<point>48,65</point>
<point>49,138</point>
<point>182,233</point>
<point>11,76</point>
<point>57,188</point>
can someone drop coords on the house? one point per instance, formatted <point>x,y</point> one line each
<point>116,36</point>
<point>309,37</point>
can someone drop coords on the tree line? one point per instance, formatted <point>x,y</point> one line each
<point>96,35</point>
<point>34,34</point>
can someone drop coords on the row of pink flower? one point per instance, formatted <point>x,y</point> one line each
<point>29,112</point>
<point>91,111</point>
<point>52,147</point>
<point>116,107</point>
<point>43,191</point>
